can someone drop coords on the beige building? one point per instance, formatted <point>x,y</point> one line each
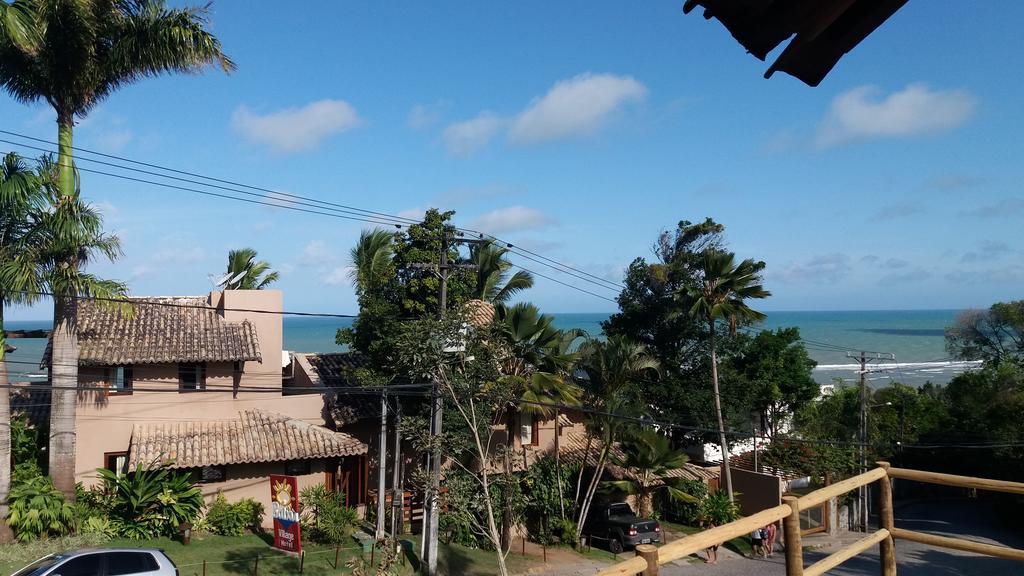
<point>201,384</point>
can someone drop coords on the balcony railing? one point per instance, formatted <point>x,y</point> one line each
<point>649,558</point>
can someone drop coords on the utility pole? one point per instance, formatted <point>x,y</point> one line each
<point>430,508</point>
<point>863,492</point>
<point>382,465</point>
<point>397,489</point>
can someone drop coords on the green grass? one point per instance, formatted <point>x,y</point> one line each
<point>224,555</point>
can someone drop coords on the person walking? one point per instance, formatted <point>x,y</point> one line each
<point>769,541</point>
<point>757,543</point>
<point>712,551</point>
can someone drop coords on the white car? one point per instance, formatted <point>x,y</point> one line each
<point>103,562</point>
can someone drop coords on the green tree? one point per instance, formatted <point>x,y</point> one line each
<point>649,456</point>
<point>724,288</point>
<point>245,272</point>
<point>63,239</point>
<point>493,283</point>
<point>21,196</point>
<point>613,371</point>
<point>992,335</point>
<point>372,259</point>
<point>779,373</point>
<point>73,54</point>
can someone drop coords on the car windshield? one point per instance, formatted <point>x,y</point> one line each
<point>620,510</point>
<point>39,566</point>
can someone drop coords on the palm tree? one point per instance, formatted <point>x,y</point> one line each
<point>245,272</point>
<point>20,197</point>
<point>721,295</point>
<point>535,368</point>
<point>62,240</point>
<point>493,284</point>
<point>371,257</point>
<point>610,368</point>
<point>650,457</point>
<point>73,54</point>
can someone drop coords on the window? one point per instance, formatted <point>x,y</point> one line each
<point>119,380</point>
<point>119,563</point>
<point>212,474</point>
<point>296,467</point>
<point>117,462</point>
<point>80,566</point>
<point>191,377</point>
<point>528,435</point>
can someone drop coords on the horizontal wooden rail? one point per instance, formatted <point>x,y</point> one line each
<point>840,488</point>
<point>845,553</point>
<point>631,567</point>
<point>959,544</point>
<point>958,481</point>
<point>685,546</point>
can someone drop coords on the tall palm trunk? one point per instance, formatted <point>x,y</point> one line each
<point>5,435</point>
<point>592,489</point>
<point>718,414</point>
<point>64,356</point>
<point>558,468</point>
<point>64,404</point>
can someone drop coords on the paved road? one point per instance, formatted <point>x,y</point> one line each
<point>969,518</point>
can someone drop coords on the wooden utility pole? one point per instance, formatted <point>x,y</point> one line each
<point>863,493</point>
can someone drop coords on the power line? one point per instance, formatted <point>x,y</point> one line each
<point>144,301</point>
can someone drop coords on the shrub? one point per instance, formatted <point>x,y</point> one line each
<point>685,511</point>
<point>324,516</point>
<point>37,509</point>
<point>233,518</point>
<point>148,503</point>
<point>718,510</point>
<point>99,526</point>
<point>565,531</point>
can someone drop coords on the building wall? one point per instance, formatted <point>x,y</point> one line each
<point>253,481</point>
<point>757,491</point>
<point>105,422</point>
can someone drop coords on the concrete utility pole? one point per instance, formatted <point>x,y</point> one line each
<point>863,492</point>
<point>430,509</point>
<point>382,465</point>
<point>397,489</point>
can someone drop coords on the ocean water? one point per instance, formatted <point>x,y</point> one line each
<point>914,337</point>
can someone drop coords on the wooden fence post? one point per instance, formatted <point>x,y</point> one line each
<point>204,567</point>
<point>256,568</point>
<point>791,530</point>
<point>887,547</point>
<point>649,553</point>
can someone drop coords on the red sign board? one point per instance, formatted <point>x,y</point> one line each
<point>284,503</point>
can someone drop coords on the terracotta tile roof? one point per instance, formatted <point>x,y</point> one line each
<point>256,436</point>
<point>161,331</point>
<point>574,447</point>
<point>337,370</point>
<point>479,313</point>
<point>822,31</point>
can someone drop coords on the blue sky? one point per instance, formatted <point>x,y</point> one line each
<point>580,130</point>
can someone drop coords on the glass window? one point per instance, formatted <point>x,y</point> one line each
<point>80,566</point>
<point>119,563</point>
<point>38,567</point>
<point>119,380</point>
<point>116,462</point>
<point>212,474</point>
<point>191,377</point>
<point>296,467</point>
<point>526,434</point>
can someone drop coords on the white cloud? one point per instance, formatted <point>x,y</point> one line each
<point>423,115</point>
<point>574,107</point>
<point>416,213</point>
<point>863,113</point>
<point>114,140</point>
<point>106,209</point>
<point>295,129</point>
<point>177,251</point>
<point>464,138</point>
<point>338,276</point>
<point>511,219</point>
<point>316,253</point>
<point>823,269</point>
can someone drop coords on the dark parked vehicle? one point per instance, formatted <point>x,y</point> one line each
<point>103,562</point>
<point>617,525</point>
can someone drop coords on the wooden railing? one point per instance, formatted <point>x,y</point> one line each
<point>649,558</point>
